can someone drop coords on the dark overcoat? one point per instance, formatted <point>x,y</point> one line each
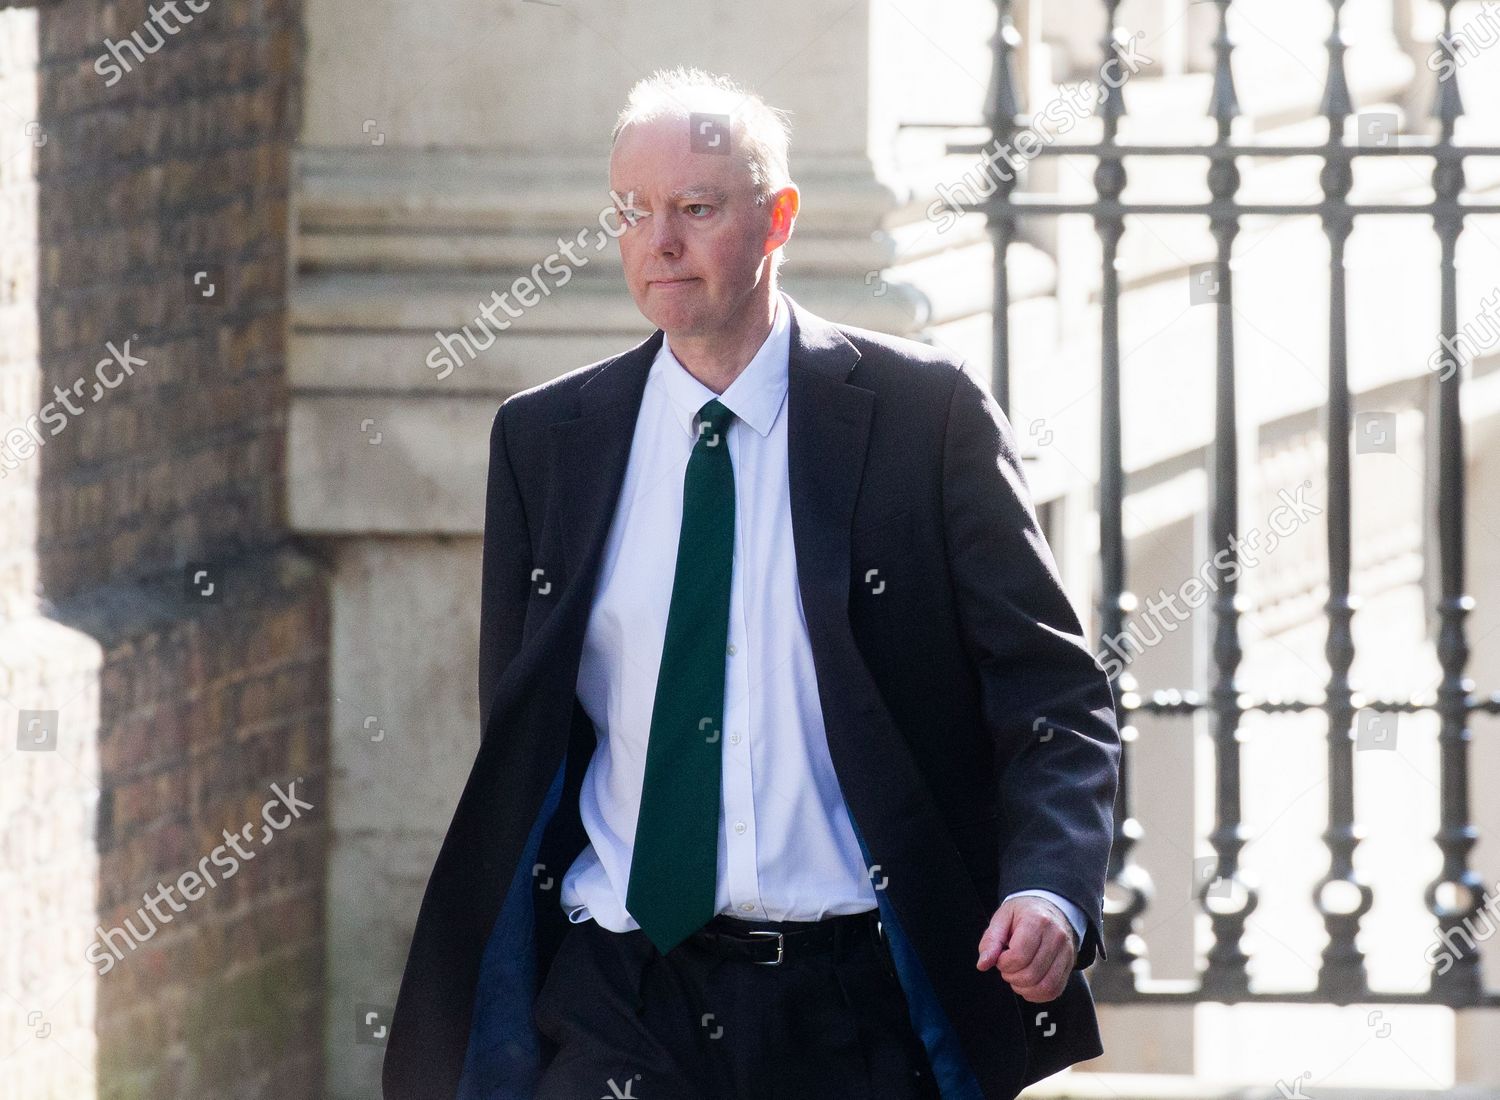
<point>971,729</point>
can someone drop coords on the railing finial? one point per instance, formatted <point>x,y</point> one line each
<point>1336,106</point>
<point>1112,47</point>
<point>1225,106</point>
<point>1448,104</point>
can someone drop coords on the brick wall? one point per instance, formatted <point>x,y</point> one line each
<point>182,161</point>
<point>160,256</point>
<point>206,721</point>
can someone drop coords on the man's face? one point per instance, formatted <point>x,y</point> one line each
<point>698,246</point>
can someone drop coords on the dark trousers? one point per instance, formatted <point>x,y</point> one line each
<point>624,1020</point>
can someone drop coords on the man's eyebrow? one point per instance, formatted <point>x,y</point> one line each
<point>702,191</point>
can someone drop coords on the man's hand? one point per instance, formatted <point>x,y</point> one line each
<point>1034,945</point>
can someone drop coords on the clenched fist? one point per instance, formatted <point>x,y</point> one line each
<point>1034,945</point>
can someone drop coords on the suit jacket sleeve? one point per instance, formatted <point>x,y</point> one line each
<point>505,573</point>
<point>1045,699</point>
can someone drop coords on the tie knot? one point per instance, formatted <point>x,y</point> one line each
<point>713,420</point>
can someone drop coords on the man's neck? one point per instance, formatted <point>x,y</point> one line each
<point>717,360</point>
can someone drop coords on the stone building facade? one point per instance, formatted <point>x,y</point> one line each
<point>249,557</point>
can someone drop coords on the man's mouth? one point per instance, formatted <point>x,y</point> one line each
<point>668,284</point>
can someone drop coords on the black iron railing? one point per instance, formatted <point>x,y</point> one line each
<point>1340,898</point>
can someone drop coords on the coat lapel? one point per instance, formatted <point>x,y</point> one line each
<point>828,429</point>
<point>590,452</point>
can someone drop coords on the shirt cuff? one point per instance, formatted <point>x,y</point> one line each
<point>1071,911</point>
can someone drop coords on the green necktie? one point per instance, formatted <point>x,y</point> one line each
<point>675,859</point>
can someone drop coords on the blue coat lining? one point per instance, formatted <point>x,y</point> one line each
<point>503,1061</point>
<point>954,1076</point>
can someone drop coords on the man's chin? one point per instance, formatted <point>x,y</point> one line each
<point>675,320</point>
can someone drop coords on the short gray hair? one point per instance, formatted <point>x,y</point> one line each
<point>759,132</point>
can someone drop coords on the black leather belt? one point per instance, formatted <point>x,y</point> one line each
<point>773,942</point>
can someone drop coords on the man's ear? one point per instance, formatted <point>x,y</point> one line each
<point>784,206</point>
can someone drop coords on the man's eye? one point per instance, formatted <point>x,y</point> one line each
<point>700,205</point>
<point>631,215</point>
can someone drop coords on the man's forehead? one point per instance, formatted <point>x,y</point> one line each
<point>656,158</point>
<point>677,169</point>
<point>715,181</point>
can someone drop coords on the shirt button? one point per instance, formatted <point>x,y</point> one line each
<point>732,650</point>
<point>739,826</point>
<point>734,738</point>
<point>747,905</point>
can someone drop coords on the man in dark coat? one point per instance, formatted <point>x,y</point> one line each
<point>966,735</point>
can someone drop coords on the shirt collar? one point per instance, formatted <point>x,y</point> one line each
<point>756,394</point>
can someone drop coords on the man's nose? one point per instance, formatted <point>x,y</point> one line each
<point>664,236</point>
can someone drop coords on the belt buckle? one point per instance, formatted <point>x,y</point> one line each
<point>780,946</point>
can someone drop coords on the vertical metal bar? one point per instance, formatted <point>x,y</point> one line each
<point>1122,947</point>
<point>1225,974</point>
<point>1339,897</point>
<point>1457,980</point>
<point>1002,106</point>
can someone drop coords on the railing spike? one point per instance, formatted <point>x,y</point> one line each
<point>1448,104</point>
<point>1336,106</point>
<point>1225,105</point>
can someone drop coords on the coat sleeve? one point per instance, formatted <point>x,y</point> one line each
<point>505,573</point>
<point>1045,700</point>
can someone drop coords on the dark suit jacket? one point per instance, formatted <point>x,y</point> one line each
<point>971,729</point>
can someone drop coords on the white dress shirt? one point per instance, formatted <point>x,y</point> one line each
<point>787,850</point>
